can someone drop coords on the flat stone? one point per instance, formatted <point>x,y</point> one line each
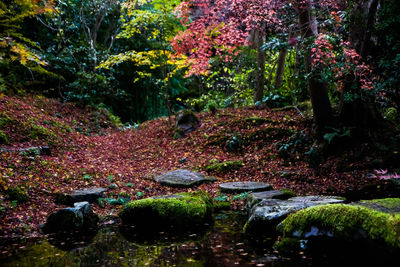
<point>257,197</point>
<point>268,213</point>
<point>90,195</point>
<point>238,187</point>
<point>182,178</point>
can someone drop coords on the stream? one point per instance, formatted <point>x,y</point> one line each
<point>220,244</point>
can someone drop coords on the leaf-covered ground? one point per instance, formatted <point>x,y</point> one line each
<point>88,150</point>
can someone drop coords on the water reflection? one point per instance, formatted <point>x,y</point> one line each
<point>221,244</point>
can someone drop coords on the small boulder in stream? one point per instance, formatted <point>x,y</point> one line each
<point>79,218</point>
<point>182,211</point>
<point>182,178</point>
<point>268,213</point>
<point>366,230</point>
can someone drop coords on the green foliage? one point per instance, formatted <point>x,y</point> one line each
<point>19,55</point>
<point>3,138</point>
<point>87,177</point>
<point>337,134</point>
<point>391,114</point>
<point>118,201</point>
<point>16,193</point>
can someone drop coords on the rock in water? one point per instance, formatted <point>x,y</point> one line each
<point>182,178</point>
<point>184,210</point>
<point>78,218</point>
<point>90,195</point>
<point>268,213</point>
<point>238,187</point>
<point>185,122</point>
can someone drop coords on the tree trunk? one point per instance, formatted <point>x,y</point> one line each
<point>259,91</point>
<point>318,90</point>
<point>280,68</point>
<point>361,112</point>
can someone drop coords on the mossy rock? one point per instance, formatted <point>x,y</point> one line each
<point>387,205</point>
<point>252,122</point>
<point>218,139</point>
<point>16,193</point>
<point>184,210</point>
<point>344,222</point>
<point>224,166</point>
<point>268,134</point>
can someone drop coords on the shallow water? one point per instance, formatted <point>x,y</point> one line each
<point>220,244</point>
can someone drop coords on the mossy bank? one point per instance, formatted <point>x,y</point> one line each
<point>344,222</point>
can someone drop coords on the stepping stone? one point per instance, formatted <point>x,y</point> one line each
<point>238,187</point>
<point>90,195</point>
<point>182,178</point>
<point>256,197</point>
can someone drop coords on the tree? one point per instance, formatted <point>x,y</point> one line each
<point>154,20</point>
<point>17,52</point>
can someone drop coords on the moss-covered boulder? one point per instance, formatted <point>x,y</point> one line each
<point>268,213</point>
<point>344,222</point>
<point>184,210</point>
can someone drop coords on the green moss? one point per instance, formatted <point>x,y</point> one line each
<point>16,193</point>
<point>222,205</point>
<point>389,205</point>
<point>184,209</point>
<point>257,121</point>
<point>218,139</point>
<point>3,138</point>
<point>251,122</point>
<point>5,121</point>
<point>288,246</point>
<point>225,166</point>
<point>286,194</point>
<point>268,133</point>
<point>345,222</point>
<point>40,132</point>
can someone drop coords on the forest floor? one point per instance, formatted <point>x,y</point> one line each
<point>87,152</point>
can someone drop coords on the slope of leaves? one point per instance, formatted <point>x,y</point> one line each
<point>85,154</point>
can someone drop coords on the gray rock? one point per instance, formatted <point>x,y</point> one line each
<point>182,178</point>
<point>257,197</point>
<point>238,187</point>
<point>78,218</point>
<point>268,213</point>
<point>185,122</point>
<point>90,195</point>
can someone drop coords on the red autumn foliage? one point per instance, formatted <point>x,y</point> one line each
<point>130,158</point>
